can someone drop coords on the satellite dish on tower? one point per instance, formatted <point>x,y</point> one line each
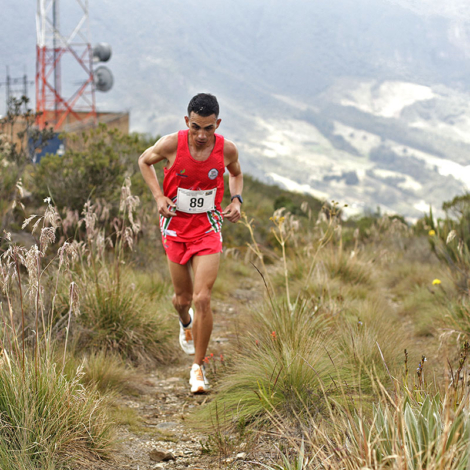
<point>102,52</point>
<point>103,78</point>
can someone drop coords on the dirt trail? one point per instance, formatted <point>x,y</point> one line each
<point>164,404</point>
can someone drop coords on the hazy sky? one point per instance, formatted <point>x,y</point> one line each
<point>452,9</point>
<point>119,23</point>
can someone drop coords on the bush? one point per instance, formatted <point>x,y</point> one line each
<point>97,170</point>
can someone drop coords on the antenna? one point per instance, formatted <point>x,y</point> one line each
<point>52,47</point>
<point>103,77</point>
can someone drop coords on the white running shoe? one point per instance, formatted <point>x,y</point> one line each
<point>198,380</point>
<point>186,336</point>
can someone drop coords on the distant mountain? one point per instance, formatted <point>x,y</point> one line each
<point>363,101</point>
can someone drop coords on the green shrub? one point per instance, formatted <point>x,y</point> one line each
<point>458,316</point>
<point>288,463</point>
<point>77,176</point>
<point>94,167</point>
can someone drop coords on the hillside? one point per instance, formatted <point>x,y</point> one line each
<point>333,334</point>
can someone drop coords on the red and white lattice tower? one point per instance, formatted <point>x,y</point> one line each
<point>53,48</point>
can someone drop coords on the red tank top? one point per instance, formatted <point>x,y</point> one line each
<point>188,173</point>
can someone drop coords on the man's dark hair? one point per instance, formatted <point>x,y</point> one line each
<point>204,104</point>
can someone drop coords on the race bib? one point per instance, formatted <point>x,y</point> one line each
<point>195,202</point>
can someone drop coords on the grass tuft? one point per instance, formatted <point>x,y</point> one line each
<point>48,421</point>
<point>120,319</point>
<point>105,371</point>
<point>287,367</point>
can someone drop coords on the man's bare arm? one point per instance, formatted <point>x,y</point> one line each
<point>235,181</point>
<point>164,149</point>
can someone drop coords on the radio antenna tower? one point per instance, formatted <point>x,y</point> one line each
<point>52,47</point>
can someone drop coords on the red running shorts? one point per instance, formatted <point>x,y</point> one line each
<point>182,252</point>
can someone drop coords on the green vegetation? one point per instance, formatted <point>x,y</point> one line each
<point>73,322</point>
<point>48,419</point>
<point>354,355</point>
<point>95,167</point>
<point>357,354</point>
<point>108,372</point>
<point>120,319</point>
<point>280,368</point>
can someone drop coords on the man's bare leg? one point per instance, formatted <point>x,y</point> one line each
<point>205,270</point>
<point>183,287</point>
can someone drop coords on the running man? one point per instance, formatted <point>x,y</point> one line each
<point>191,218</point>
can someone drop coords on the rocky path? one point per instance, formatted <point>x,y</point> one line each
<point>161,437</point>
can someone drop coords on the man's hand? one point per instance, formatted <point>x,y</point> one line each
<point>232,211</point>
<point>163,202</point>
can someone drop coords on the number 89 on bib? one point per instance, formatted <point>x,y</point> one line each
<point>195,202</point>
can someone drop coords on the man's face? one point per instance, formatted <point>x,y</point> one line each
<point>201,129</point>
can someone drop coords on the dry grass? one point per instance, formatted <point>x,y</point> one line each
<point>337,358</point>
<point>49,420</point>
<point>54,407</point>
<point>107,372</point>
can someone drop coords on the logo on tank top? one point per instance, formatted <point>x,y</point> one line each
<point>181,173</point>
<point>213,174</point>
